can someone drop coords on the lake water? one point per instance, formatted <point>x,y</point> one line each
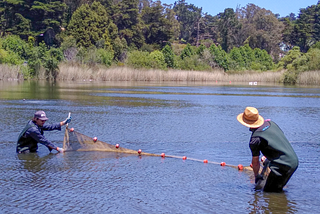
<point>197,121</point>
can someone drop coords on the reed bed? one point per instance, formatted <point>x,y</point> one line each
<point>309,78</point>
<point>76,73</point>
<point>72,72</point>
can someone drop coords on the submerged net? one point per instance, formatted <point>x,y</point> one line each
<point>75,141</point>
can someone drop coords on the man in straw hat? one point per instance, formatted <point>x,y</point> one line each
<point>269,139</point>
<point>33,132</point>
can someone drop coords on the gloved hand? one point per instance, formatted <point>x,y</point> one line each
<point>67,120</point>
<point>61,150</point>
<point>258,178</point>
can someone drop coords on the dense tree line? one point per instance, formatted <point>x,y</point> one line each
<point>149,34</point>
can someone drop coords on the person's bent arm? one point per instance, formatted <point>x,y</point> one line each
<point>255,165</point>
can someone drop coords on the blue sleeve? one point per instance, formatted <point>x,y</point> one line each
<point>36,135</point>
<point>254,146</point>
<point>50,127</point>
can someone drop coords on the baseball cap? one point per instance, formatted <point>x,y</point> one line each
<point>41,115</point>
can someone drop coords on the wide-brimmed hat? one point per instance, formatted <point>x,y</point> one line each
<point>250,118</point>
<point>41,115</point>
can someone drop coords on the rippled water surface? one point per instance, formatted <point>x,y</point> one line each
<point>197,121</point>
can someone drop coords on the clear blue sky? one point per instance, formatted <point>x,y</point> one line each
<point>282,7</point>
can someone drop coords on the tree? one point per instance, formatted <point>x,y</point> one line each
<point>31,18</point>
<point>219,56</point>
<point>127,18</point>
<point>158,29</point>
<point>88,24</point>
<point>188,17</point>
<point>168,56</point>
<point>228,26</point>
<point>261,29</point>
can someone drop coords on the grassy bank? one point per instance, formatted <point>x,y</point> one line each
<point>69,72</point>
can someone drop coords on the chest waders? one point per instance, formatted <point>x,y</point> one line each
<point>24,144</point>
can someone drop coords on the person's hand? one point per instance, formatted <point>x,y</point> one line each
<point>61,150</point>
<point>67,120</point>
<point>258,178</point>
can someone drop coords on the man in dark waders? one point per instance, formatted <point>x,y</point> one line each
<point>269,139</point>
<point>33,132</point>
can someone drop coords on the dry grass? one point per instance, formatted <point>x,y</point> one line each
<point>10,72</point>
<point>71,72</point>
<point>75,73</point>
<point>309,78</point>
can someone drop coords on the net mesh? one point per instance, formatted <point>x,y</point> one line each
<point>75,141</point>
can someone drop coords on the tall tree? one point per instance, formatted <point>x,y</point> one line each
<point>89,23</point>
<point>158,28</point>
<point>229,27</point>
<point>307,27</point>
<point>31,17</point>
<point>127,18</point>
<point>189,17</point>
<point>261,29</point>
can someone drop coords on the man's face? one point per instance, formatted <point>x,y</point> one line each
<point>40,122</point>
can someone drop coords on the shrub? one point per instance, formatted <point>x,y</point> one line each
<point>290,77</point>
<point>9,57</point>
<point>157,60</point>
<point>220,57</point>
<point>193,63</point>
<point>105,57</point>
<point>168,56</point>
<point>16,45</point>
<point>138,59</point>
<point>186,52</point>
<point>263,59</point>
<point>200,50</point>
<point>313,56</point>
<point>293,54</point>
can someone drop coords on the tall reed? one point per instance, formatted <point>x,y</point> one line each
<point>75,72</point>
<point>309,78</point>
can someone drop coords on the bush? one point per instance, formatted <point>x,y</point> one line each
<point>37,56</point>
<point>290,77</point>
<point>293,54</point>
<point>51,63</point>
<point>313,56</point>
<point>220,57</point>
<point>193,63</point>
<point>16,45</point>
<point>186,52</point>
<point>169,56</point>
<point>105,57</point>
<point>9,57</point>
<point>138,59</point>
<point>157,60</point>
<point>264,59</point>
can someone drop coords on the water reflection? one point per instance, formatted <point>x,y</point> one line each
<point>271,203</point>
<point>33,162</point>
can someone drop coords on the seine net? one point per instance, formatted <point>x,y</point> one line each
<point>75,141</point>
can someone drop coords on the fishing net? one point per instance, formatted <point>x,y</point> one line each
<point>75,141</point>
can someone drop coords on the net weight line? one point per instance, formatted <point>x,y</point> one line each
<point>75,141</point>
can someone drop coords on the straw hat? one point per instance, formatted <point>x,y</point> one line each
<point>250,118</point>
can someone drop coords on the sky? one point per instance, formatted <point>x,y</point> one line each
<point>282,7</point>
